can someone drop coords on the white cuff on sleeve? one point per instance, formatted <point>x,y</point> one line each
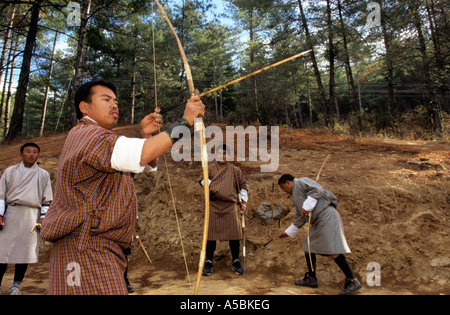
<point>203,182</point>
<point>2,207</point>
<point>292,231</point>
<point>309,203</point>
<point>44,210</point>
<point>148,168</point>
<point>126,155</point>
<point>244,195</point>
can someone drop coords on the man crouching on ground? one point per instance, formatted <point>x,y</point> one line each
<point>326,233</point>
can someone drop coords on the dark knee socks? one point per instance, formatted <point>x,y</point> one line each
<point>234,247</point>
<point>311,268</point>
<point>341,261</point>
<point>211,247</point>
<point>3,268</point>
<point>19,272</point>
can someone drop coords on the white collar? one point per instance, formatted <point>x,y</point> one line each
<point>89,118</point>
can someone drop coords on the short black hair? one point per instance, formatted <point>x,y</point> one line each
<point>285,178</point>
<point>29,144</point>
<point>224,147</point>
<point>83,93</point>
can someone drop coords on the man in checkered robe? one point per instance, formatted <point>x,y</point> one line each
<point>228,192</point>
<point>93,215</point>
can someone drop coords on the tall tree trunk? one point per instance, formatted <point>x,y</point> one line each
<point>300,113</point>
<point>300,121</point>
<point>19,104</point>
<point>310,105</point>
<point>348,68</point>
<point>441,69</point>
<point>286,114</point>
<point>63,105</point>
<point>221,106</point>
<point>216,105</point>
<point>47,89</point>
<point>427,73</point>
<point>6,41</point>
<point>5,81</point>
<point>333,97</point>
<point>252,66</point>
<point>323,102</point>
<point>9,93</point>
<point>79,60</point>
<point>389,62</point>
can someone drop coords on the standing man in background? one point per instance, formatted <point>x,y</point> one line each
<point>25,194</point>
<point>228,194</point>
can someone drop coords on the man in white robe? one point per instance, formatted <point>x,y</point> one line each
<point>25,194</point>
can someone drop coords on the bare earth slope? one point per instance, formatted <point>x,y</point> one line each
<point>394,198</point>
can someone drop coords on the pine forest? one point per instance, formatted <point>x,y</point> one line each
<point>374,68</point>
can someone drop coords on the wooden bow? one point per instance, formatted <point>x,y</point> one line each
<point>199,127</point>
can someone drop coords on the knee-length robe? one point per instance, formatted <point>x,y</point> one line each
<point>326,232</point>
<point>24,191</point>
<point>224,218</point>
<point>92,217</point>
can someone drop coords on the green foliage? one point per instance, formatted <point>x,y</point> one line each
<point>121,35</point>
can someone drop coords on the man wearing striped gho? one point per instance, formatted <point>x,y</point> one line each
<point>228,200</point>
<point>326,234</point>
<point>93,216</point>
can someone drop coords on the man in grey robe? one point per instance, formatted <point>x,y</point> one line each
<point>25,194</point>
<point>326,235</point>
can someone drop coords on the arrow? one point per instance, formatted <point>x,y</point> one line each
<point>256,72</point>
<point>165,110</point>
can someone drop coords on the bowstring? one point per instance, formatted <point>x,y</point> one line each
<point>165,159</point>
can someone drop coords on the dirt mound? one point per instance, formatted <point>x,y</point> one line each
<point>393,198</point>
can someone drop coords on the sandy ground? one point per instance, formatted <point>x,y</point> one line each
<point>393,196</point>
